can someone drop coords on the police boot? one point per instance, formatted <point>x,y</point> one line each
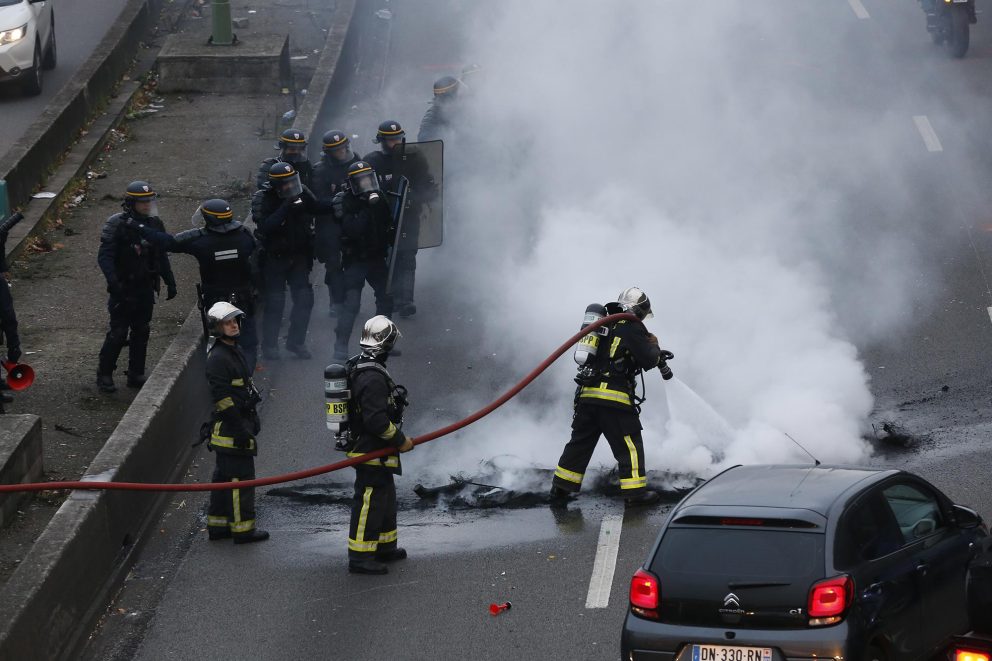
<point>299,350</point>
<point>270,353</point>
<point>392,555</point>
<point>6,398</point>
<point>136,380</point>
<point>255,535</point>
<point>105,383</point>
<point>644,498</point>
<point>367,566</point>
<point>407,310</point>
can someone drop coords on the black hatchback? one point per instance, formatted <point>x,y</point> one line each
<point>768,563</point>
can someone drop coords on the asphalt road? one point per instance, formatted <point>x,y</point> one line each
<point>291,597</point>
<point>79,25</point>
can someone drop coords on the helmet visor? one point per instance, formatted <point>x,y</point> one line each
<point>288,187</point>
<point>148,208</point>
<point>364,183</point>
<point>294,153</point>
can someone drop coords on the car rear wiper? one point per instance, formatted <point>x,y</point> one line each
<point>764,584</point>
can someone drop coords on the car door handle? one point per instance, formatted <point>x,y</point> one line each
<point>875,588</point>
<point>922,568</point>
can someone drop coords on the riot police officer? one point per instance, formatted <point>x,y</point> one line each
<point>224,249</point>
<point>233,428</point>
<point>605,403</point>
<point>366,238</point>
<point>292,146</point>
<point>329,176</point>
<point>376,418</point>
<point>133,268</point>
<point>438,123</point>
<point>284,212</point>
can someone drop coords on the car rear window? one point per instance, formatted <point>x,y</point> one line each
<point>741,553</point>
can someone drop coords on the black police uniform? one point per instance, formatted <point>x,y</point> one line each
<point>233,429</point>
<point>375,417</point>
<point>286,234</point>
<point>227,272</point>
<point>438,123</point>
<point>366,237</point>
<point>329,176</point>
<point>8,318</point>
<point>132,267</point>
<point>606,405</point>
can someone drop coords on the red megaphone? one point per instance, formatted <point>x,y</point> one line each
<point>19,375</point>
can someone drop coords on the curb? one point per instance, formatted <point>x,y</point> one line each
<point>52,600</point>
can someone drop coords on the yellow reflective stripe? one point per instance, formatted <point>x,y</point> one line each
<point>605,393</point>
<point>359,543</point>
<point>361,171</point>
<point>634,483</point>
<point>218,521</point>
<point>223,215</point>
<point>237,382</point>
<point>635,466</point>
<point>225,404</point>
<point>219,441</point>
<point>392,461</point>
<point>236,500</point>
<point>614,346</point>
<point>387,537</point>
<point>568,475</point>
<point>244,526</point>
<point>389,433</point>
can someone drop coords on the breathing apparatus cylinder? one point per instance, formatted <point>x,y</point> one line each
<point>337,394</point>
<point>588,346</point>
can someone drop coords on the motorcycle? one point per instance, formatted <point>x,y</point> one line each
<point>949,23</point>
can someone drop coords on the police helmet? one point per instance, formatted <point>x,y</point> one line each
<point>636,302</point>
<point>218,216</point>
<point>389,130</point>
<point>220,312</point>
<point>379,335</point>
<point>293,145</point>
<point>285,180</point>
<point>446,86</point>
<point>362,179</point>
<point>140,191</point>
<point>334,141</point>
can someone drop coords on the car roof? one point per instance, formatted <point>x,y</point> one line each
<point>814,488</point>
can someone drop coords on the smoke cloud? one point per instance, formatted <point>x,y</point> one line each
<point>709,155</point>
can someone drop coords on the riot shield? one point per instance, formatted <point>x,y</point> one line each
<point>422,164</point>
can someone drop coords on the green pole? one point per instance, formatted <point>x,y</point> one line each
<point>223,34</point>
<point>4,201</point>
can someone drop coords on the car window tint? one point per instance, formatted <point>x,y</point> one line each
<point>867,531</point>
<point>763,554</point>
<point>916,510</point>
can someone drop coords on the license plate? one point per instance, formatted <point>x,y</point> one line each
<point>725,653</point>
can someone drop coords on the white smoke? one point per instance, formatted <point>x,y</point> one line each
<point>652,144</point>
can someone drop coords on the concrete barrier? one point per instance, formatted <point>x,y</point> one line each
<point>20,459</point>
<point>53,599</point>
<point>58,127</point>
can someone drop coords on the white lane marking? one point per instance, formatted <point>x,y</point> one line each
<point>929,136</point>
<point>606,562</point>
<point>990,313</point>
<point>859,9</point>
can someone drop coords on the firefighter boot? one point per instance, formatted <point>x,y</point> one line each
<point>254,535</point>
<point>392,555</point>
<point>644,498</point>
<point>105,383</point>
<point>366,566</point>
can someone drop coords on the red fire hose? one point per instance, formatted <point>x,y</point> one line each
<point>320,470</point>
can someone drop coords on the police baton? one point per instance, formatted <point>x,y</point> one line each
<point>202,308</point>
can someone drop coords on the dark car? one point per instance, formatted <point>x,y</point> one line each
<point>767,563</point>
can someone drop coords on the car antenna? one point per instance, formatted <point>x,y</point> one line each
<point>815,460</point>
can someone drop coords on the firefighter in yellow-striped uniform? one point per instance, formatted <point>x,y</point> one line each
<point>375,413</point>
<point>605,404</point>
<point>233,428</point>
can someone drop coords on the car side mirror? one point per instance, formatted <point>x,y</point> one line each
<point>966,517</point>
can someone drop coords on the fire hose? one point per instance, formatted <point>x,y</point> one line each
<point>320,470</point>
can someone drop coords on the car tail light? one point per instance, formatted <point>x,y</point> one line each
<point>968,655</point>
<point>645,594</point>
<point>829,600</point>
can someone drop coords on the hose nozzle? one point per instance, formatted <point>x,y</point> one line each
<point>496,609</point>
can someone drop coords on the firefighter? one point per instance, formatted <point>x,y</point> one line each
<point>233,429</point>
<point>292,146</point>
<point>366,237</point>
<point>329,177</point>
<point>376,417</point>
<point>224,249</point>
<point>605,404</point>
<point>133,268</point>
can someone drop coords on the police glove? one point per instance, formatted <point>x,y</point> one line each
<point>114,288</point>
<point>170,293</point>
<point>13,354</point>
<point>131,223</point>
<point>407,445</point>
